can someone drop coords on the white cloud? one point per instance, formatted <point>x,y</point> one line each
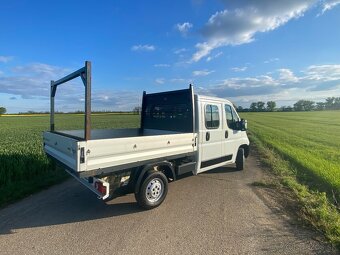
<point>179,51</point>
<point>239,69</point>
<point>184,28</point>
<point>160,80</point>
<point>271,60</point>
<point>5,59</point>
<point>145,47</point>
<point>204,49</point>
<point>161,65</point>
<point>239,23</point>
<point>323,72</point>
<point>115,100</point>
<point>316,82</point>
<point>41,70</point>
<point>329,4</point>
<point>286,75</point>
<point>32,82</point>
<point>181,80</point>
<point>204,72</point>
<point>218,54</point>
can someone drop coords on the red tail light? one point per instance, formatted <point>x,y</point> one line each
<point>100,187</point>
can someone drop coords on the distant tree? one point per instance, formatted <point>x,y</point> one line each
<point>289,109</point>
<point>271,106</point>
<point>304,105</point>
<point>260,106</point>
<point>3,110</point>
<point>286,109</point>
<point>298,106</point>
<point>320,106</point>
<point>309,105</point>
<point>253,107</point>
<point>330,103</point>
<point>240,109</point>
<point>337,103</point>
<point>137,110</point>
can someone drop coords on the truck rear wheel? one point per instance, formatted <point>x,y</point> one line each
<point>240,159</point>
<point>153,190</point>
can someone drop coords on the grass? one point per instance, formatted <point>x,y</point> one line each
<point>24,168</point>
<point>307,139</point>
<point>302,149</point>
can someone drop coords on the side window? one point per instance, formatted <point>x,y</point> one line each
<point>212,116</point>
<point>231,116</point>
<point>235,117</point>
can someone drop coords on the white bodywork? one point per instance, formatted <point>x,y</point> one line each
<point>111,152</point>
<point>121,147</point>
<point>218,146</point>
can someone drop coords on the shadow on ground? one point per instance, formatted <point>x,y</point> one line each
<point>70,202</point>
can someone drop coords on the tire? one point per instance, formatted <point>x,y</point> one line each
<point>153,190</point>
<point>240,159</point>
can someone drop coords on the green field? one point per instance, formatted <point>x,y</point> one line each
<point>24,167</point>
<point>309,140</point>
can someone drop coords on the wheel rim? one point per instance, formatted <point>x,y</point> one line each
<point>154,190</point>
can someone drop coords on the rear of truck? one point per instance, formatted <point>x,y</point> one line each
<point>111,162</point>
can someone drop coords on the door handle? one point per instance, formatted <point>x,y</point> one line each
<point>226,134</point>
<point>207,136</point>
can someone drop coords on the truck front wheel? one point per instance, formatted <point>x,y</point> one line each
<point>240,159</point>
<point>153,190</point>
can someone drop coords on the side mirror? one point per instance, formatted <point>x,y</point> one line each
<point>241,125</point>
<point>244,124</point>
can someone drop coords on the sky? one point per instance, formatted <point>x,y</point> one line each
<point>245,50</point>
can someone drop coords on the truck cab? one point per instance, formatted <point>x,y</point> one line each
<point>220,133</point>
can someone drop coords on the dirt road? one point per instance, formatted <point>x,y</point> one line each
<point>218,212</point>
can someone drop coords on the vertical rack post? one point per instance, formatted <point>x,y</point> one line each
<point>52,106</point>
<point>142,117</point>
<point>87,130</point>
<point>191,88</point>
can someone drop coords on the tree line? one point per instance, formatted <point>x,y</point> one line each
<point>331,103</point>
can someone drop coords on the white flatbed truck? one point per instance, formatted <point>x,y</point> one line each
<point>180,132</point>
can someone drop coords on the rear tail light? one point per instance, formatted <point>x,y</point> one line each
<point>100,187</point>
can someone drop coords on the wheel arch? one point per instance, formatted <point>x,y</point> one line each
<point>165,167</point>
<point>246,149</point>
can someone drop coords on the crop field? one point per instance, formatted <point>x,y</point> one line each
<point>24,168</point>
<point>309,140</point>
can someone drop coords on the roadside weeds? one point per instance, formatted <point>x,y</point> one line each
<point>314,207</point>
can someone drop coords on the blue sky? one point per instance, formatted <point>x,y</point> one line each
<point>245,50</point>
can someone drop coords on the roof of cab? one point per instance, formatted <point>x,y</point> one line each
<point>214,99</point>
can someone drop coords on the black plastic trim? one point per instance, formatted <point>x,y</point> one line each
<point>186,168</point>
<point>216,161</point>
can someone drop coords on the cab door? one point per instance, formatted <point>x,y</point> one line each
<point>211,133</point>
<point>231,134</point>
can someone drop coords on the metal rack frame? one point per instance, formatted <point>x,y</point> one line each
<point>85,74</point>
